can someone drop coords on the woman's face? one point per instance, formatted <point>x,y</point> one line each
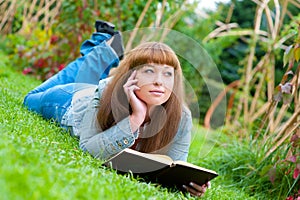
<point>156,83</point>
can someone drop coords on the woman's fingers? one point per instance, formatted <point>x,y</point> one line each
<point>195,189</point>
<point>130,83</point>
<point>208,184</point>
<point>130,86</point>
<point>132,76</point>
<point>131,90</point>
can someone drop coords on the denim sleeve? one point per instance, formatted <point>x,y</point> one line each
<point>179,148</point>
<point>104,144</point>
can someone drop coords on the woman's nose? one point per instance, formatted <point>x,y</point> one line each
<point>158,80</point>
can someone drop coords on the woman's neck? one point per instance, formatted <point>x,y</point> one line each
<point>149,110</point>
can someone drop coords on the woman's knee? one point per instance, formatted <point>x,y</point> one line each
<point>32,102</point>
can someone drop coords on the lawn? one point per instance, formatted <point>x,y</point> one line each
<point>38,160</point>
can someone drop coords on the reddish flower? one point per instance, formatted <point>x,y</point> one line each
<point>296,173</point>
<point>40,63</point>
<point>27,70</point>
<point>79,38</point>
<point>52,70</point>
<point>293,159</point>
<point>54,39</point>
<point>49,75</point>
<point>60,67</point>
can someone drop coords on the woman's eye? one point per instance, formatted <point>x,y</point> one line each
<point>149,71</point>
<point>168,74</point>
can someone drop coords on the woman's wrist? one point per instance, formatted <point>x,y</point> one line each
<point>135,122</point>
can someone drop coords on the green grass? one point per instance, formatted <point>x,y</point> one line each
<point>38,160</point>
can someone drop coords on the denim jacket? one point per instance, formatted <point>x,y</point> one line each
<point>82,117</point>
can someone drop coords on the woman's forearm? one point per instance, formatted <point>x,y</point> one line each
<point>105,144</point>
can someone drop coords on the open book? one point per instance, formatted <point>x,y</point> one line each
<point>159,168</point>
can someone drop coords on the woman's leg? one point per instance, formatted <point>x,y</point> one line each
<point>55,101</point>
<point>97,59</point>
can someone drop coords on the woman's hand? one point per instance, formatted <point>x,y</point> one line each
<point>196,190</point>
<point>139,108</point>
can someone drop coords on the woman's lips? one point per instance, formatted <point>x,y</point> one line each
<point>157,92</point>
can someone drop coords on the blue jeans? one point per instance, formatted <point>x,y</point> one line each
<point>53,97</point>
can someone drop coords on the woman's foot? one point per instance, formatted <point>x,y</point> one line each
<point>116,42</point>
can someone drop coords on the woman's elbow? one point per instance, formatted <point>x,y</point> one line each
<point>94,152</point>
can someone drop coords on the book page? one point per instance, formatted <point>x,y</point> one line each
<point>179,162</point>
<point>158,157</point>
<point>137,162</point>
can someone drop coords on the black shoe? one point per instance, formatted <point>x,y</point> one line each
<point>117,40</point>
<point>105,27</point>
<point>117,44</point>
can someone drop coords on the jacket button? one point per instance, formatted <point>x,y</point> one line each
<point>119,144</point>
<point>125,141</point>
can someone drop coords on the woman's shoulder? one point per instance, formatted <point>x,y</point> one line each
<point>186,112</point>
<point>186,121</point>
<point>185,125</point>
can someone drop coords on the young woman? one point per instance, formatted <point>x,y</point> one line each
<point>140,106</point>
